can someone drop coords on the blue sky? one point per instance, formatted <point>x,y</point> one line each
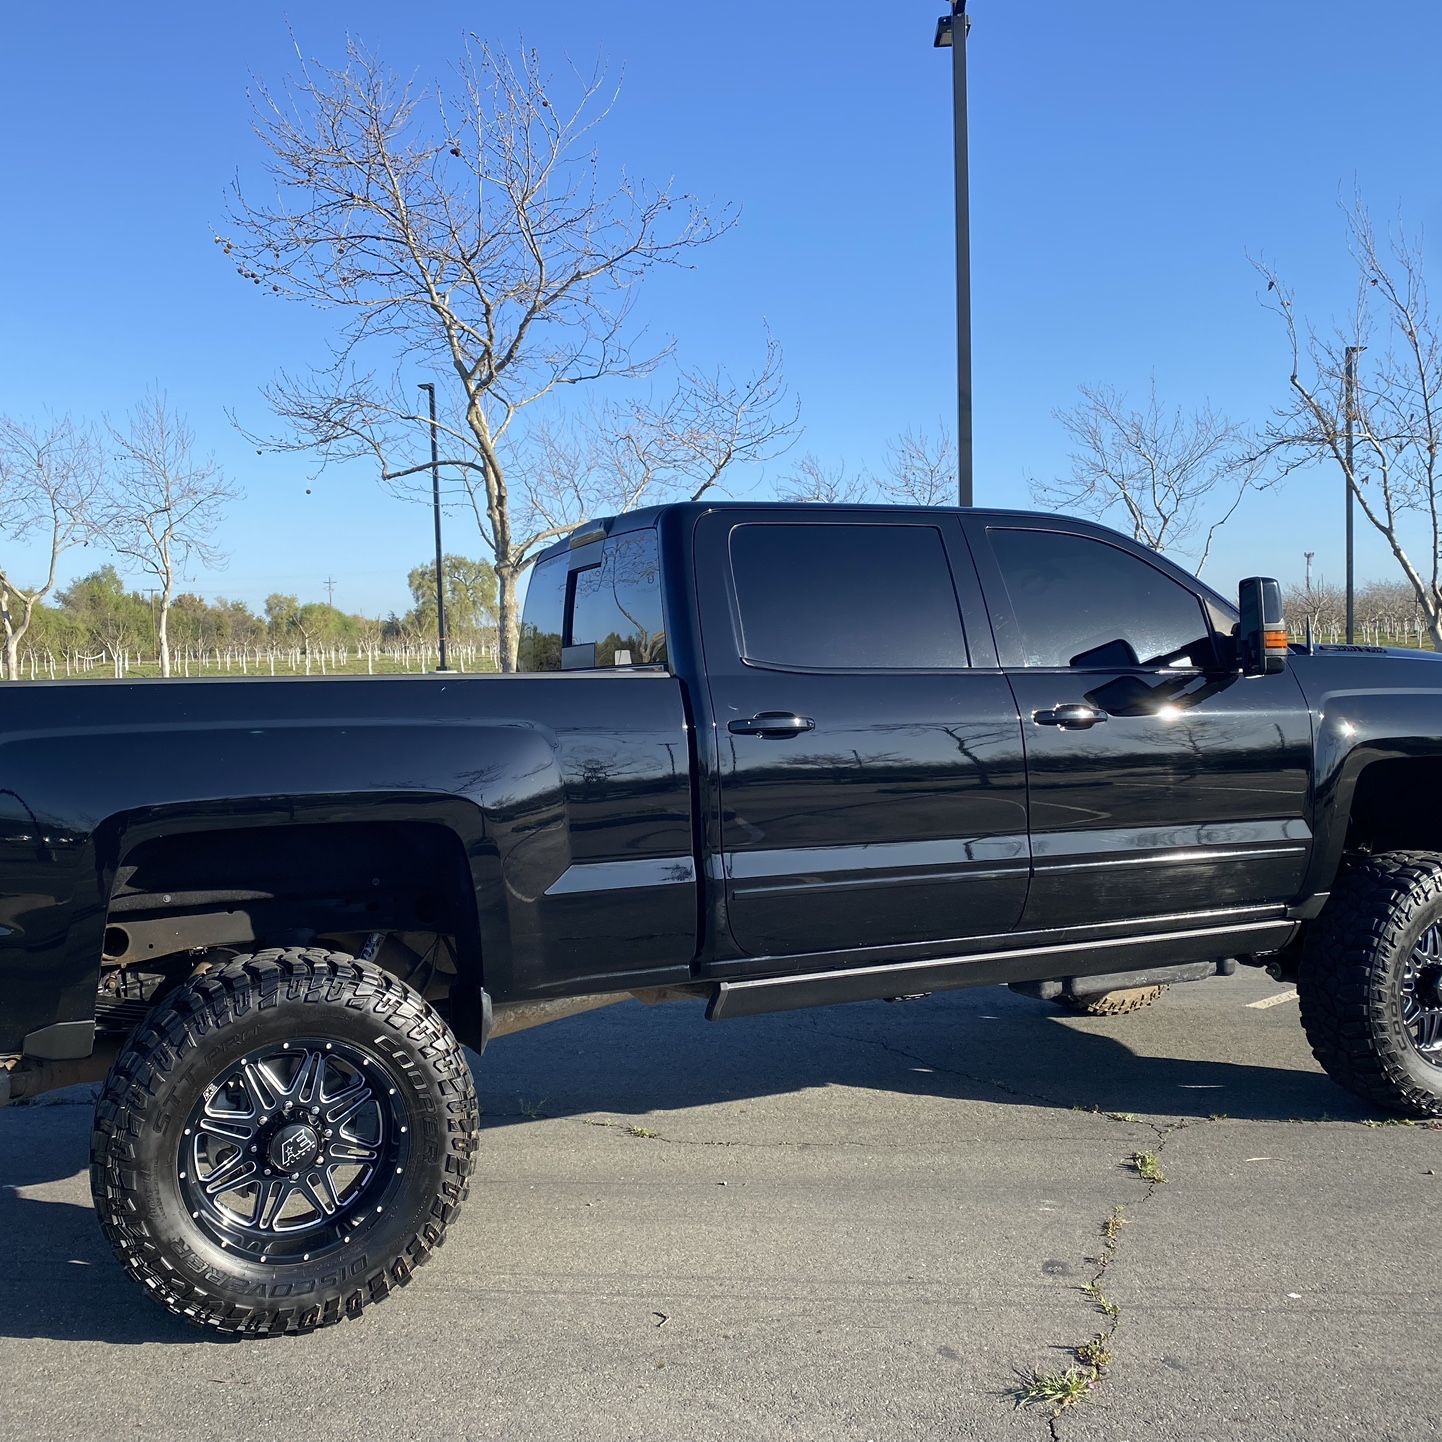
<point>1125,159</point>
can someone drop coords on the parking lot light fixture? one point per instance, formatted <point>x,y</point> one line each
<point>951,31</point>
<point>430,391</point>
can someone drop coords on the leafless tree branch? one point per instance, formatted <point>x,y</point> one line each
<point>50,473</point>
<point>162,505</point>
<point>468,231</point>
<point>1173,478</point>
<point>1396,422</point>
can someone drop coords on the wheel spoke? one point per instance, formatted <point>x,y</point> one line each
<point>270,1199</point>
<point>316,1187</point>
<point>344,1149</point>
<point>1427,1030</point>
<point>230,1128</point>
<point>230,1173</point>
<point>305,1087</point>
<point>264,1092</point>
<point>340,1108</point>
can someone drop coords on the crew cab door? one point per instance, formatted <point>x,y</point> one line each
<point>1159,783</point>
<point>871,779</point>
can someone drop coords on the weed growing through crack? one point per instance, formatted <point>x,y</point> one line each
<point>532,1110</point>
<point>635,1131</point>
<point>1096,1354</point>
<point>1148,1167</point>
<point>1112,1227</point>
<point>1100,1300</point>
<point>1057,1390</point>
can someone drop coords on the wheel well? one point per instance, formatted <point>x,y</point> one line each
<point>182,893</point>
<point>1397,805</point>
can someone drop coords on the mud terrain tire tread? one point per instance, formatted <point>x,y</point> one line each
<point>1346,980</point>
<point>196,1018</point>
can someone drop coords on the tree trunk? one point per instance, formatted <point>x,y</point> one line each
<point>12,657</point>
<point>508,614</point>
<point>163,631</point>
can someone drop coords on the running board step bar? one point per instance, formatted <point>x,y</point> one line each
<point>995,968</point>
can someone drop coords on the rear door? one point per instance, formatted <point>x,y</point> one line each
<point>872,785</point>
<point>1160,782</point>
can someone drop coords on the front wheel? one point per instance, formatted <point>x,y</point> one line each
<point>1370,981</point>
<point>283,1141</point>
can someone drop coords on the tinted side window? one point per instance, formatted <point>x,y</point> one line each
<point>1076,601</point>
<point>616,605</point>
<point>543,616</point>
<point>844,597</point>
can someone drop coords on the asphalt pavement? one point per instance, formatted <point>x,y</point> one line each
<point>863,1222</point>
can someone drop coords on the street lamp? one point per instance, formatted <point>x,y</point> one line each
<point>951,33</point>
<point>1353,351</point>
<point>430,391</point>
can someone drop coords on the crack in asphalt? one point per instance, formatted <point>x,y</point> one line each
<point>1109,1253</point>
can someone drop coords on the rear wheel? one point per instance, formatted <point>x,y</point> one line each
<point>1113,1003</point>
<point>1370,982</point>
<point>283,1141</point>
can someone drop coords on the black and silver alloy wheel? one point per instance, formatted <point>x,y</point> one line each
<point>1419,995</point>
<point>1370,981</point>
<point>283,1141</point>
<point>293,1149</point>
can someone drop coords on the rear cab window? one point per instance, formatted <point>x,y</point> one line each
<point>599,605</point>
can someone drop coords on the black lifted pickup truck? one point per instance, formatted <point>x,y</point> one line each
<point>762,756</point>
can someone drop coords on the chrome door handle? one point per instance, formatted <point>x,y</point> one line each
<point>1070,716</point>
<point>771,725</point>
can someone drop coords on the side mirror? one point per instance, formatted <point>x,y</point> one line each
<point>1262,632</point>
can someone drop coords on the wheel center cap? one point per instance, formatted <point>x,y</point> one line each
<point>294,1146</point>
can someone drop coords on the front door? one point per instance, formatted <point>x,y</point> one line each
<point>872,782</point>
<point>1160,783</point>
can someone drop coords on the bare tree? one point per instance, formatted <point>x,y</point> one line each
<point>469,232</point>
<point>921,469</point>
<point>162,505</point>
<point>1174,478</point>
<point>812,479</point>
<point>49,474</point>
<point>646,452</point>
<point>1394,474</point>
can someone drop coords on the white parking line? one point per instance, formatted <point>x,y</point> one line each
<point>1289,995</point>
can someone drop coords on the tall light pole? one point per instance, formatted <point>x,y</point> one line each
<point>1350,402</point>
<point>430,391</point>
<point>951,34</point>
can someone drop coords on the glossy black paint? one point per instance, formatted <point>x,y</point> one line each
<point>1176,789</point>
<point>898,816</point>
<point>571,796</point>
<point>1367,706</point>
<point>620,833</point>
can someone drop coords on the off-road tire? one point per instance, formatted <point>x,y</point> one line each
<point>1114,1003</point>
<point>1348,979</point>
<point>204,1028</point>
